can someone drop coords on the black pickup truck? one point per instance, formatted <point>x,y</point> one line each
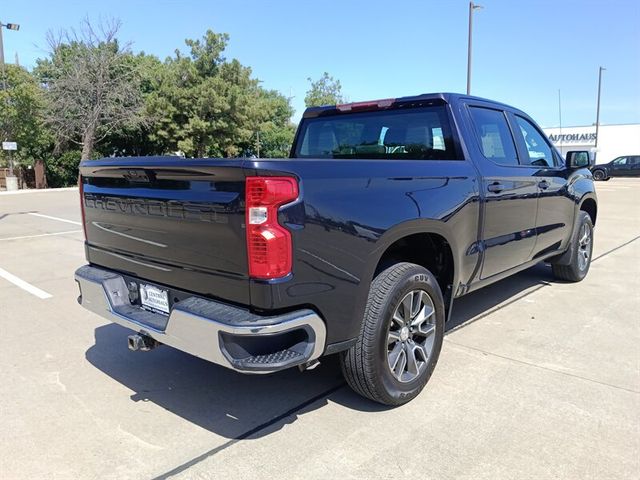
<point>356,245</point>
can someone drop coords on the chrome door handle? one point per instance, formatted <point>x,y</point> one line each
<point>495,187</point>
<point>543,185</point>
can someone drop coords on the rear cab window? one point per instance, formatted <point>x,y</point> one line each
<point>422,133</point>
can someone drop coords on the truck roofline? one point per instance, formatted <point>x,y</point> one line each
<point>445,97</point>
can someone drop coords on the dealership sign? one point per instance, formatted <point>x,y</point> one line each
<point>573,137</point>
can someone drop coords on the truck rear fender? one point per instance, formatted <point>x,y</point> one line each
<point>397,245</point>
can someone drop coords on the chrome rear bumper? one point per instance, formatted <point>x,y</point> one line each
<point>223,334</point>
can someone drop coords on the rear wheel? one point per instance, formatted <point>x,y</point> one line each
<point>582,250</point>
<point>400,338</point>
<point>599,174</point>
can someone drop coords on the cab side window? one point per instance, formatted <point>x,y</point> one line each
<point>494,135</point>
<point>620,161</point>
<point>539,152</point>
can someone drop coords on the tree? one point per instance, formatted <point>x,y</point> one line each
<point>275,129</point>
<point>92,85</point>
<point>208,106</point>
<point>324,91</point>
<point>22,116</point>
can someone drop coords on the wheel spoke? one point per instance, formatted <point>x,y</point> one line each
<point>422,316</point>
<point>407,303</point>
<point>398,319</point>
<point>394,336</point>
<point>412,364</point>
<point>416,303</point>
<point>425,330</point>
<point>422,351</point>
<point>584,234</point>
<point>395,357</point>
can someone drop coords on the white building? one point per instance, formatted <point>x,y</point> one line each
<point>615,140</point>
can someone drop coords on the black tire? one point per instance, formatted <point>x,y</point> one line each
<point>366,365</point>
<point>599,175</point>
<point>577,269</point>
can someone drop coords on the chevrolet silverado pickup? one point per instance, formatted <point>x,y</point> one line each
<point>356,245</point>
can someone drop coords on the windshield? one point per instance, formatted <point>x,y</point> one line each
<point>420,133</point>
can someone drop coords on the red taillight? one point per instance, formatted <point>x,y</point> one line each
<point>268,242</point>
<point>81,191</point>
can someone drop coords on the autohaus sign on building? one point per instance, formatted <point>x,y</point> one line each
<point>614,140</point>
<point>573,137</point>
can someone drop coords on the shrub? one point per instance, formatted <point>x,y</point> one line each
<point>62,171</point>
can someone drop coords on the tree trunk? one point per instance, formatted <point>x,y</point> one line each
<point>87,143</point>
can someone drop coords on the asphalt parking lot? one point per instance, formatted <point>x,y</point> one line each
<point>537,379</point>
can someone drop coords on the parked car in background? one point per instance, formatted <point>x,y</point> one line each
<point>385,212</point>
<point>627,166</point>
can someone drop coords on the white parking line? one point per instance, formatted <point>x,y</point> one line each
<point>18,282</point>
<point>40,235</point>
<point>55,218</point>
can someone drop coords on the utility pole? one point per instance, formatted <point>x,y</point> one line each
<point>4,73</point>
<point>8,26</point>
<point>258,143</point>
<point>598,107</point>
<point>472,7</point>
<point>560,118</point>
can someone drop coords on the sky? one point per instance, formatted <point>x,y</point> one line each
<point>523,52</point>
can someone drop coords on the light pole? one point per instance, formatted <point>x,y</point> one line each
<point>598,108</point>
<point>8,26</point>
<point>472,7</point>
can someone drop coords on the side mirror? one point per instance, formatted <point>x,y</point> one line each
<point>579,159</point>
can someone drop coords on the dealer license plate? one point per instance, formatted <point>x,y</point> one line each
<point>154,298</point>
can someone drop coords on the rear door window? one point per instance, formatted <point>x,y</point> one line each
<point>539,152</point>
<point>494,135</point>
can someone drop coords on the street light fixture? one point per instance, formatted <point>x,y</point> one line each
<point>472,7</point>
<point>8,26</point>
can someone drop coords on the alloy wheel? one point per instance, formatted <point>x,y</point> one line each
<point>411,336</point>
<point>584,247</point>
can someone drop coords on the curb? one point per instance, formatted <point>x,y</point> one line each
<point>43,190</point>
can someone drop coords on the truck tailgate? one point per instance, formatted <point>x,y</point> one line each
<point>169,220</point>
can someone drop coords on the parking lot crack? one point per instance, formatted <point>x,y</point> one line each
<point>249,433</point>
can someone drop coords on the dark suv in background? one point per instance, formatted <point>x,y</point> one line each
<point>628,166</point>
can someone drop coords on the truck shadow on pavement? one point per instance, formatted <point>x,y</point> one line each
<point>230,404</point>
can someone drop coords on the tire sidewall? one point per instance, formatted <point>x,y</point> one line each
<point>417,278</point>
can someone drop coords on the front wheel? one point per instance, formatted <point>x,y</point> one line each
<point>581,252</point>
<point>599,175</point>
<point>400,338</point>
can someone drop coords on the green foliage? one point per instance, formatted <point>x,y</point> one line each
<point>93,96</point>
<point>22,116</point>
<point>324,91</point>
<point>207,106</point>
<point>62,171</point>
